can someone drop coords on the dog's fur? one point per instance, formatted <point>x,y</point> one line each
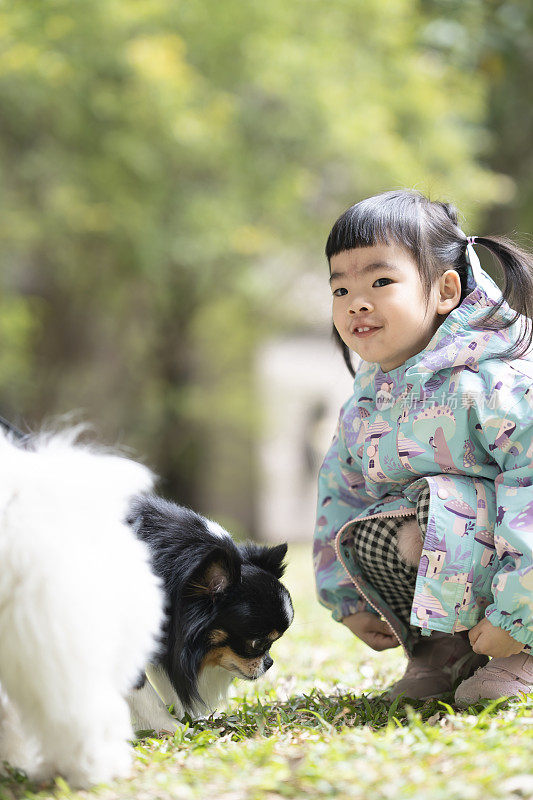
<point>80,608</point>
<point>225,608</point>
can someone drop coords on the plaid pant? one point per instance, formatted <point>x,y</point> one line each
<point>377,555</point>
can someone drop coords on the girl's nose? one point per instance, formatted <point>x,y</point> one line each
<point>357,306</point>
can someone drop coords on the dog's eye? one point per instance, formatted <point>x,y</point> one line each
<point>256,647</point>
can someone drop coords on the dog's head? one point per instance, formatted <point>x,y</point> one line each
<point>253,611</point>
<point>226,605</point>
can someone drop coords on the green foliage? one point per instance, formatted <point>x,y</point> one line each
<point>158,157</point>
<point>18,322</point>
<point>494,41</point>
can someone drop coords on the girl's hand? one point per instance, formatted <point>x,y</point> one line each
<point>372,630</point>
<point>489,640</point>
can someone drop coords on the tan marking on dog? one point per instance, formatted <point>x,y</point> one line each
<point>217,636</point>
<point>227,658</point>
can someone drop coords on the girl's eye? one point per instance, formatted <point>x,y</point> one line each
<point>382,279</point>
<point>340,292</point>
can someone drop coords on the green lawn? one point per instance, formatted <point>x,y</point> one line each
<point>315,727</point>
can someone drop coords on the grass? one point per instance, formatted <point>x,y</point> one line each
<point>315,726</point>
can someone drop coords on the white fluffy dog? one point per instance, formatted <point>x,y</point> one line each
<point>80,609</point>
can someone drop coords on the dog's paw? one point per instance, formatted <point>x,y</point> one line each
<point>18,748</point>
<point>149,713</point>
<point>160,725</point>
<point>107,762</point>
<point>41,772</point>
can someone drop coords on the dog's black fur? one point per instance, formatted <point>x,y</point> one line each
<point>219,594</point>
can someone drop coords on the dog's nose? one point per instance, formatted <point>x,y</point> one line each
<point>267,662</point>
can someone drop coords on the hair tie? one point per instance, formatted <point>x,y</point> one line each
<point>471,240</point>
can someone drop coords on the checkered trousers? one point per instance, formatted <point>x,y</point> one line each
<point>377,555</point>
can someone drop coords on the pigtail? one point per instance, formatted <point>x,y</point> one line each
<point>517,269</point>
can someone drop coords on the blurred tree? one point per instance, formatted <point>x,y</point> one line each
<point>508,64</point>
<point>494,41</point>
<point>169,171</point>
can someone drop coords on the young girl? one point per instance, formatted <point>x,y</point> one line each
<point>425,511</point>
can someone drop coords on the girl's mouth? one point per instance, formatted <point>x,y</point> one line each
<point>363,331</point>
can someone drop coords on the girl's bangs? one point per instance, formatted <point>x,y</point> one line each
<point>388,218</point>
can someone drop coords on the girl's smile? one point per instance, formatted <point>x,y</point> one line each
<point>362,332</point>
<point>379,308</point>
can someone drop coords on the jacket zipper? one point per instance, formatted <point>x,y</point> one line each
<point>356,582</point>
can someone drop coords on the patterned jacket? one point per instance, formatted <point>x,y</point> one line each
<point>459,418</point>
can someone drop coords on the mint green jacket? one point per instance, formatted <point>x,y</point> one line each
<point>457,418</point>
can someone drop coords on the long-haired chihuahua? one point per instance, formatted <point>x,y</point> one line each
<point>225,607</point>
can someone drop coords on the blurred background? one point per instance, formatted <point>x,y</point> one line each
<point>169,174</point>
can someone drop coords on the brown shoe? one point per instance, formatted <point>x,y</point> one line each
<point>438,663</point>
<point>502,677</point>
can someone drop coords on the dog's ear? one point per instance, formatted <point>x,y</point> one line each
<point>267,558</point>
<point>217,577</point>
<point>217,572</point>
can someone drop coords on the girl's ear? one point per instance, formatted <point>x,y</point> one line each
<point>268,558</point>
<point>449,288</point>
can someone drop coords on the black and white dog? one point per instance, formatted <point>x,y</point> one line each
<point>225,608</point>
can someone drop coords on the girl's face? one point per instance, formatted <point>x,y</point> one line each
<point>379,288</point>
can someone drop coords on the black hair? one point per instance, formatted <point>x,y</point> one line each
<point>430,232</point>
